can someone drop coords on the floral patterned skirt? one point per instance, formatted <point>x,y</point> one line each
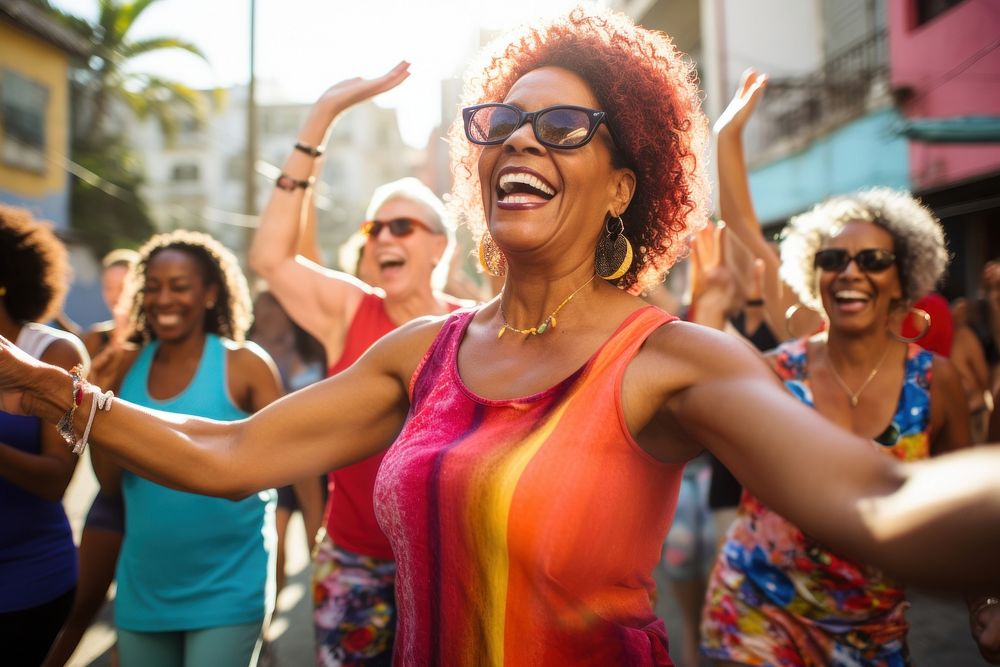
<point>354,608</point>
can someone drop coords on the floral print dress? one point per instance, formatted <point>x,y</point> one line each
<point>778,598</point>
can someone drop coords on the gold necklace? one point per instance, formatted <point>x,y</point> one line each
<point>855,395</point>
<point>547,324</point>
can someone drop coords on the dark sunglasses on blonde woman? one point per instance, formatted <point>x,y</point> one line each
<point>398,227</point>
<point>869,260</point>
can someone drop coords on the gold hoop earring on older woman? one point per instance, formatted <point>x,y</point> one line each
<point>491,257</point>
<point>922,314</point>
<point>613,256</point>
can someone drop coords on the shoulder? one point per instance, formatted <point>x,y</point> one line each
<point>59,348</point>
<point>65,353</point>
<point>246,355</point>
<point>401,351</point>
<point>944,375</point>
<point>453,302</point>
<point>688,353</point>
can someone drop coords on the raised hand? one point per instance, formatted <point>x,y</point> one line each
<point>713,286</point>
<point>348,92</point>
<point>740,108</point>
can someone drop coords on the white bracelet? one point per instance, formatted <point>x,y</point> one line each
<point>98,400</point>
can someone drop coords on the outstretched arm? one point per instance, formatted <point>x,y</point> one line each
<point>931,522</point>
<point>316,298</point>
<point>328,425</point>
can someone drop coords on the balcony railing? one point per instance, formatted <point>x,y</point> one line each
<point>798,109</point>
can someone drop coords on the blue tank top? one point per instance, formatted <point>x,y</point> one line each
<point>37,554</point>
<point>190,561</point>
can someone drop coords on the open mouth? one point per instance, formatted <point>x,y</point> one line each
<point>390,263</point>
<point>851,300</point>
<point>167,319</point>
<point>519,187</point>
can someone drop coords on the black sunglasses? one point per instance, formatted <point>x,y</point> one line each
<point>560,126</point>
<point>398,227</point>
<point>869,260</point>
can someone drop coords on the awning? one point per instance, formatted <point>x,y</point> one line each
<point>954,130</point>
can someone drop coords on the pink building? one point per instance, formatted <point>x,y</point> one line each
<point>944,64</point>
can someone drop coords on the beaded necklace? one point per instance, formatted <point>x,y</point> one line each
<point>546,324</point>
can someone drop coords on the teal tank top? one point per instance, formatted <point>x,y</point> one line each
<point>190,561</point>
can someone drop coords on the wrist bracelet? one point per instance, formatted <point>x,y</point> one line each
<point>289,184</point>
<point>98,401</point>
<point>989,601</point>
<point>65,425</point>
<point>311,151</point>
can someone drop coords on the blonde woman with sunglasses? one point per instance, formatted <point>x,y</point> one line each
<point>408,241</point>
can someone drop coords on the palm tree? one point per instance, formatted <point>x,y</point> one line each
<point>109,76</point>
<point>107,209</point>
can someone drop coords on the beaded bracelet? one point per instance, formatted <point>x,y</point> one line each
<point>290,184</point>
<point>65,425</point>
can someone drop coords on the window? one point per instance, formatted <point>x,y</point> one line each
<point>931,9</point>
<point>23,104</point>
<point>185,173</point>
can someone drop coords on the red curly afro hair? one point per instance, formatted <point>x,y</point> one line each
<point>650,94</point>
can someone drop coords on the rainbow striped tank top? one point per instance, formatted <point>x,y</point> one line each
<point>526,530</point>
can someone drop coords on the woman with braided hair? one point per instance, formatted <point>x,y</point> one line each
<point>195,573</point>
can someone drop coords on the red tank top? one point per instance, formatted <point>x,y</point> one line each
<point>350,514</point>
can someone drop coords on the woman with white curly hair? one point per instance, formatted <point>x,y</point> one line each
<point>777,596</point>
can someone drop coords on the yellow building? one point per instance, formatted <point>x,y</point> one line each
<point>35,54</point>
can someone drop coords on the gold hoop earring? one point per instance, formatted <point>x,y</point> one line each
<point>925,316</point>
<point>613,256</point>
<point>491,258</point>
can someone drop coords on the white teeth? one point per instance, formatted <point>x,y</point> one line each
<point>507,182</point>
<point>168,320</point>
<point>850,294</point>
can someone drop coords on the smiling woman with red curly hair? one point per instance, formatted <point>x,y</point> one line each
<point>648,90</point>
<point>534,445</point>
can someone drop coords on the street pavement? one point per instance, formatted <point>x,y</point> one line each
<point>939,636</point>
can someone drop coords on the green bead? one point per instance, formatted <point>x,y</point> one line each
<point>543,327</point>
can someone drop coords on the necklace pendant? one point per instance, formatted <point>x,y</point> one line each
<point>854,401</point>
<point>500,333</point>
<point>543,327</point>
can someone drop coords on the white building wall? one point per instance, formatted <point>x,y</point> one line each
<point>365,150</point>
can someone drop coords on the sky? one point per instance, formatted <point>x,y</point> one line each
<point>305,46</point>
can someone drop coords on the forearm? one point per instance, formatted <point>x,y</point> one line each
<point>940,526</point>
<point>735,200</point>
<point>179,451</point>
<point>44,476</point>
<point>308,242</point>
<point>277,238</point>
<point>309,494</point>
